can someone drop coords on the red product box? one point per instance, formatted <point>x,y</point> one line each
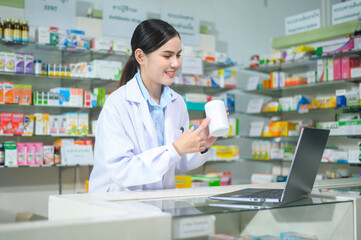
<point>18,123</point>
<point>6,124</point>
<point>22,154</point>
<point>337,69</point>
<point>346,65</point>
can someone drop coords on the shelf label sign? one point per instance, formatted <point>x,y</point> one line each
<point>192,66</point>
<point>120,19</point>
<point>346,11</point>
<point>57,13</point>
<point>77,154</point>
<point>193,227</point>
<point>186,24</point>
<point>303,22</point>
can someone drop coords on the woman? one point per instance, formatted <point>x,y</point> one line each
<point>140,138</point>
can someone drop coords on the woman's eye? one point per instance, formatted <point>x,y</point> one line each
<point>178,55</point>
<point>167,57</point>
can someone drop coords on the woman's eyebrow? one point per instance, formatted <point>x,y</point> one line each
<point>171,52</point>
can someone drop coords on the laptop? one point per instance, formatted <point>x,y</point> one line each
<point>308,154</point>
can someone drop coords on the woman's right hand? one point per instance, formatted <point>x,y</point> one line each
<point>192,141</point>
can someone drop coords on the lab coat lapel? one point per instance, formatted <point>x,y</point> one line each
<point>134,94</point>
<point>169,118</point>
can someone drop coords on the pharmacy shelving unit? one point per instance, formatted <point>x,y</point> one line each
<point>326,114</point>
<point>57,55</point>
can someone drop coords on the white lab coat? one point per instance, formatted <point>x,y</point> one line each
<point>127,156</point>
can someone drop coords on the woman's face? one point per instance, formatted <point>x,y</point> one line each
<point>161,65</point>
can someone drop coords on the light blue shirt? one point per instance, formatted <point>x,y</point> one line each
<point>156,110</point>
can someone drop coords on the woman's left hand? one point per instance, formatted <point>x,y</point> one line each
<point>205,133</point>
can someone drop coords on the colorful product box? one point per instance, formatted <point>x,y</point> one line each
<point>10,154</point>
<point>38,153</point>
<point>29,63</point>
<point>8,92</point>
<point>19,62</point>
<point>281,128</point>
<point>6,125</point>
<point>329,75</point>
<point>41,124</point>
<point>2,61</point>
<point>337,69</point>
<point>18,123</point>
<point>101,44</point>
<point>54,124</point>
<point>63,124</point>
<point>48,154</point>
<point>28,125</point>
<point>183,181</point>
<point>71,123</point>
<point>321,70</point>
<point>26,95</point>
<point>1,92</point>
<point>21,154</point>
<point>87,99</point>
<point>30,147</point>
<point>83,123</point>
<point>228,78</point>
<point>17,94</point>
<point>10,62</point>
<point>346,65</point>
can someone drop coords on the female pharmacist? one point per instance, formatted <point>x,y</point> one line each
<point>140,138</point>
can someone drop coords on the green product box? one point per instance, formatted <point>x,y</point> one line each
<point>212,180</point>
<point>10,155</point>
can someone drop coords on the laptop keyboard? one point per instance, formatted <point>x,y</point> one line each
<point>265,194</point>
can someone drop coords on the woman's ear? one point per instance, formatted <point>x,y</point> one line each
<point>139,56</point>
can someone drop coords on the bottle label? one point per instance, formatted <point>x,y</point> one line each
<point>8,34</point>
<point>1,33</point>
<point>25,36</point>
<point>17,35</point>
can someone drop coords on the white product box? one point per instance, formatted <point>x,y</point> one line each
<point>94,126</point>
<point>28,125</point>
<point>105,69</point>
<point>311,77</point>
<point>62,124</point>
<point>196,97</point>
<point>54,122</point>
<point>71,123</point>
<point>207,42</point>
<point>101,44</point>
<point>83,123</point>
<point>321,70</point>
<point>10,62</point>
<point>329,69</point>
<point>355,72</point>
<point>286,104</point>
<point>43,35</point>
<point>263,178</point>
<point>41,124</point>
<point>333,155</point>
<point>121,47</point>
<point>2,61</point>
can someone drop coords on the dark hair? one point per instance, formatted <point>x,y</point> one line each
<point>149,35</point>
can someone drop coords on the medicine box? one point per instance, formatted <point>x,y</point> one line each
<point>101,44</point>
<point>38,153</point>
<point>10,149</point>
<point>10,62</point>
<point>71,123</point>
<point>30,147</point>
<point>8,92</point>
<point>329,75</point>
<point>17,94</point>
<point>1,92</point>
<point>321,70</point>
<point>103,69</point>
<point>48,154</point>
<point>6,125</point>
<point>19,62</point>
<point>83,123</point>
<point>29,63</point>
<point>337,69</point>
<point>2,60</point>
<point>18,123</point>
<point>28,125</point>
<point>346,65</point>
<point>54,124</point>
<point>21,154</point>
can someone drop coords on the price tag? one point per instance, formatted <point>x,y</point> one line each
<point>193,227</point>
<point>77,154</point>
<point>256,128</point>
<point>192,65</point>
<point>303,110</point>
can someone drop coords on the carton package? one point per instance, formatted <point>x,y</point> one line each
<point>8,92</point>
<point>101,44</point>
<point>329,73</point>
<point>334,155</point>
<point>183,181</point>
<point>28,125</point>
<point>26,94</point>
<point>54,124</point>
<point>30,147</point>
<point>230,152</point>
<point>346,65</point>
<point>2,61</point>
<point>21,154</point>
<point>228,78</point>
<point>19,62</point>
<point>71,123</point>
<point>63,124</point>
<point>17,93</point>
<point>6,125</point>
<point>1,92</point>
<point>103,69</point>
<point>38,153</point>
<point>321,70</point>
<point>41,124</point>
<point>337,69</point>
<point>121,47</point>
<point>83,123</point>
<point>18,123</point>
<point>10,155</point>
<point>48,154</point>
<point>10,62</point>
<point>29,63</point>
<point>87,99</point>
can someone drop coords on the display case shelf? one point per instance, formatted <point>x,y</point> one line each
<point>44,108</point>
<point>11,137</point>
<point>211,66</point>
<point>294,138</point>
<point>47,166</point>
<point>305,88</point>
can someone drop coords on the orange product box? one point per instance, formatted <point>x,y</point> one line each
<point>8,92</point>
<point>6,125</point>
<point>291,81</point>
<point>183,181</point>
<point>1,92</point>
<point>18,123</point>
<point>324,102</point>
<point>281,128</point>
<point>17,95</point>
<point>26,95</point>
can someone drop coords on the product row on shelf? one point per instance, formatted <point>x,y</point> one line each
<point>66,124</point>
